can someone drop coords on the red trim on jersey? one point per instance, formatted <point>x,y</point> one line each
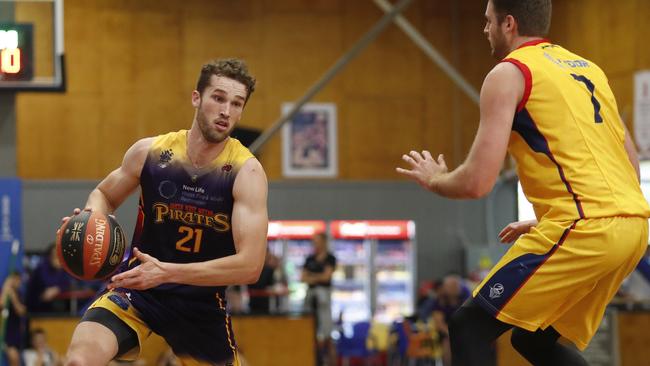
<point>528,81</point>
<point>534,42</point>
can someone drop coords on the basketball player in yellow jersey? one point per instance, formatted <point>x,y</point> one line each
<point>555,113</point>
<point>202,226</point>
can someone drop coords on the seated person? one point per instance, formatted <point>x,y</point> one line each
<point>40,353</point>
<point>451,296</point>
<point>48,280</point>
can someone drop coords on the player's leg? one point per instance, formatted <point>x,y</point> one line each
<point>199,331</point>
<point>472,331</point>
<point>541,348</point>
<point>92,344</point>
<point>100,337</point>
<point>626,244</point>
<point>109,329</point>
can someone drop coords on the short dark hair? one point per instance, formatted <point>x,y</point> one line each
<point>232,68</point>
<point>533,16</point>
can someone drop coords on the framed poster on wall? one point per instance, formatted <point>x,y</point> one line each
<point>309,146</point>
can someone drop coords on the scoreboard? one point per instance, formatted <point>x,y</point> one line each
<point>16,52</point>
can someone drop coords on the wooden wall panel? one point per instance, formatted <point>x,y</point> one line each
<point>132,67</point>
<point>263,340</point>
<point>440,104</point>
<point>641,33</point>
<point>614,38</point>
<point>633,338</point>
<point>384,138</point>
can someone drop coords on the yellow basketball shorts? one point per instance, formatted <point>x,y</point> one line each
<point>564,274</point>
<point>202,338</point>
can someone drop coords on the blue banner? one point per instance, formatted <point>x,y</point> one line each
<point>11,234</point>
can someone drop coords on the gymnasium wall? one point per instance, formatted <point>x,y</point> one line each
<point>261,340</point>
<point>7,114</point>
<point>132,65</point>
<point>613,35</point>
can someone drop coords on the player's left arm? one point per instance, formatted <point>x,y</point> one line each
<point>249,228</point>
<point>502,90</point>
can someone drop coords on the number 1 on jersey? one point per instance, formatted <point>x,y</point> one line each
<point>190,233</point>
<point>592,88</point>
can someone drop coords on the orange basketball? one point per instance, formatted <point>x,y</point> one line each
<point>90,246</point>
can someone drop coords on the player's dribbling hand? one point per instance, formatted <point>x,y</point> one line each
<point>514,230</point>
<point>149,273</point>
<point>423,167</point>
<point>65,219</point>
<point>75,212</point>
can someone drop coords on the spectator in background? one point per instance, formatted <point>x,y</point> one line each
<point>452,294</point>
<point>261,291</point>
<point>427,293</point>
<point>47,282</point>
<point>40,354</point>
<point>15,326</point>
<point>317,273</point>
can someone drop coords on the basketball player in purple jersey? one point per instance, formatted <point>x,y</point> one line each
<point>201,226</point>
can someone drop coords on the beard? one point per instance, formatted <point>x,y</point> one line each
<point>499,47</point>
<point>210,134</point>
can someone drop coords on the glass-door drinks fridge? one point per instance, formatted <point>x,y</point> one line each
<point>375,275</point>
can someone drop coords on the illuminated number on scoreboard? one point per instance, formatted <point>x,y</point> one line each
<point>8,39</point>
<point>9,52</point>
<point>184,244</point>
<point>10,60</point>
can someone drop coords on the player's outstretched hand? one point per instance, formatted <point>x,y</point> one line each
<point>149,273</point>
<point>514,230</point>
<point>423,168</point>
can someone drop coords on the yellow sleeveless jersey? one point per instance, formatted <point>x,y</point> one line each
<point>568,138</point>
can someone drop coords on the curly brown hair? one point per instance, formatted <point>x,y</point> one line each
<point>232,68</point>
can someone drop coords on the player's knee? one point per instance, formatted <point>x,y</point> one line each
<point>76,359</point>
<point>85,354</point>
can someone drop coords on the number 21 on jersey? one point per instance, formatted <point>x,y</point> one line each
<point>191,240</point>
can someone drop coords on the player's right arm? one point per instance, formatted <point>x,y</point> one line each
<point>121,182</point>
<point>502,91</point>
